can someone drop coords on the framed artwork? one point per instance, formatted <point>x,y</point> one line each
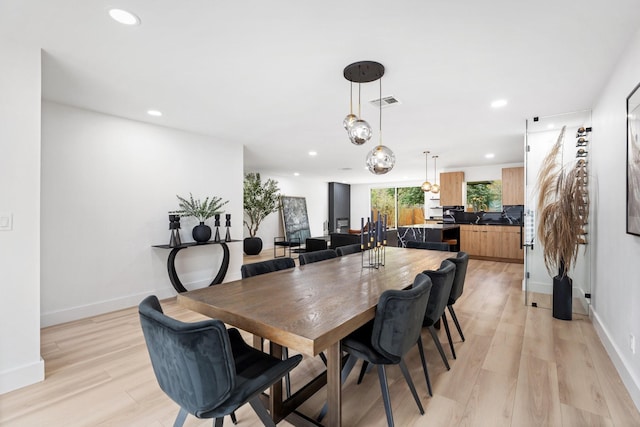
<point>633,162</point>
<point>294,218</point>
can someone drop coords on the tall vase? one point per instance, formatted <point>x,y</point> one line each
<point>562,294</point>
<point>201,233</point>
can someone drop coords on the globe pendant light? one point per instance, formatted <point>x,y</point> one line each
<point>359,131</point>
<point>348,121</point>
<point>426,185</point>
<point>435,188</point>
<point>381,159</point>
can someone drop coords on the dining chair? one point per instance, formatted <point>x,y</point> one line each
<point>436,246</point>
<point>348,249</point>
<point>442,281</point>
<point>389,336</point>
<point>263,267</point>
<point>308,258</point>
<point>207,369</point>
<point>461,261</point>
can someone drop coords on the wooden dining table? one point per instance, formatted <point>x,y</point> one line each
<point>309,309</point>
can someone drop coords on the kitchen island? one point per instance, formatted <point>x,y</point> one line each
<point>430,233</point>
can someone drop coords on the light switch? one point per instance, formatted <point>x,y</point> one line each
<point>6,221</point>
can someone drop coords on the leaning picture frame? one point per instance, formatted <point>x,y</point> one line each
<point>633,162</point>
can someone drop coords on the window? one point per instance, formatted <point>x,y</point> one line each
<point>403,206</point>
<point>485,196</point>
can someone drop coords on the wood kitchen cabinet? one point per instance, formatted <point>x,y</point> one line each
<point>496,242</point>
<point>451,188</point>
<point>513,186</point>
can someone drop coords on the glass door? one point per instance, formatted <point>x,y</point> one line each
<point>540,137</point>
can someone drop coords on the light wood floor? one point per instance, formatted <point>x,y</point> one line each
<point>517,367</point>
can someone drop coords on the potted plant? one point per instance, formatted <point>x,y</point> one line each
<point>202,211</point>
<point>260,200</point>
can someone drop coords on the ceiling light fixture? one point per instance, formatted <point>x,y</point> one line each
<point>124,17</point>
<point>313,153</point>
<point>499,103</point>
<point>426,185</point>
<point>154,113</point>
<point>489,155</point>
<point>435,188</point>
<point>348,121</point>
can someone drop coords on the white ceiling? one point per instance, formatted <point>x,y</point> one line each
<point>268,74</point>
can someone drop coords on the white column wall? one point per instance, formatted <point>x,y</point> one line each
<point>616,292</point>
<point>107,186</point>
<point>20,362</point>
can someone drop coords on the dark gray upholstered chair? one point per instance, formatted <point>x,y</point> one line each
<point>348,249</point>
<point>389,336</point>
<point>207,370</point>
<point>442,280</point>
<point>461,261</point>
<point>436,246</point>
<point>269,266</point>
<point>316,256</point>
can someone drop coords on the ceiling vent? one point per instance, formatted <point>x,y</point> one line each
<point>386,101</point>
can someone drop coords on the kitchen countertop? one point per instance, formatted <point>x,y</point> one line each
<point>432,226</point>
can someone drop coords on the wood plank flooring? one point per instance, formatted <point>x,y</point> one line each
<point>517,367</point>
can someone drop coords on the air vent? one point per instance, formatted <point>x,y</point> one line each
<point>387,101</point>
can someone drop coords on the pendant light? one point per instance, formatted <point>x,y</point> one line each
<point>359,131</point>
<point>348,121</point>
<point>381,159</point>
<point>435,188</point>
<point>426,185</point>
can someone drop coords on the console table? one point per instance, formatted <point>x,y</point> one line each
<point>171,267</point>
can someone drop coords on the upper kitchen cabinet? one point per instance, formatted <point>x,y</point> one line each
<point>513,186</point>
<point>451,188</point>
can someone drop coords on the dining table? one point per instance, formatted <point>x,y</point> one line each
<point>309,309</point>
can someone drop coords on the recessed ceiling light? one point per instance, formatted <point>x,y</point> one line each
<point>489,155</point>
<point>154,113</point>
<point>296,174</point>
<point>499,103</point>
<point>551,126</point>
<point>313,153</point>
<point>124,17</point>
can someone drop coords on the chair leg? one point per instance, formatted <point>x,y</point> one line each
<point>384,386</point>
<point>363,371</point>
<point>424,365</point>
<point>455,320</point>
<point>446,328</point>
<point>259,408</point>
<point>346,370</point>
<point>218,422</point>
<point>436,340</point>
<point>287,378</point>
<point>234,420</point>
<point>182,416</point>
<point>407,377</point>
<point>323,357</point>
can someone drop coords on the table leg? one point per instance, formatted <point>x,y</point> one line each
<point>334,388</point>
<point>275,392</point>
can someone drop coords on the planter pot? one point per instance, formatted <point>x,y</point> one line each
<point>252,245</point>
<point>562,295</point>
<point>201,233</point>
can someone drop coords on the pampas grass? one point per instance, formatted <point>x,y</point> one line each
<point>563,204</point>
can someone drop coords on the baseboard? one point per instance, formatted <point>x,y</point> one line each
<point>100,307</point>
<point>631,383</point>
<point>21,377</point>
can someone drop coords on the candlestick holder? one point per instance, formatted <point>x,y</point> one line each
<point>174,226</point>
<point>227,224</point>
<point>217,224</point>
<point>373,247</point>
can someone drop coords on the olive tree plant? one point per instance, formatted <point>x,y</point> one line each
<point>260,200</point>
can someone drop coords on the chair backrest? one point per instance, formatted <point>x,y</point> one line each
<point>436,246</point>
<point>308,258</point>
<point>461,261</point>
<point>442,280</point>
<point>193,362</point>
<point>269,266</point>
<point>348,249</point>
<point>399,316</point>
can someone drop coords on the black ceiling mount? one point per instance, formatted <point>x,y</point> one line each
<point>364,71</point>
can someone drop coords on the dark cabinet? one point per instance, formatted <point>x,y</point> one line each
<point>339,207</point>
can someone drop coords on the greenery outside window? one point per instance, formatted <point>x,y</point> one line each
<point>485,196</point>
<point>403,206</point>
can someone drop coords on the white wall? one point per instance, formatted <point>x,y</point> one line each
<point>360,193</point>
<point>20,362</point>
<point>316,194</point>
<point>107,185</point>
<point>616,294</point>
